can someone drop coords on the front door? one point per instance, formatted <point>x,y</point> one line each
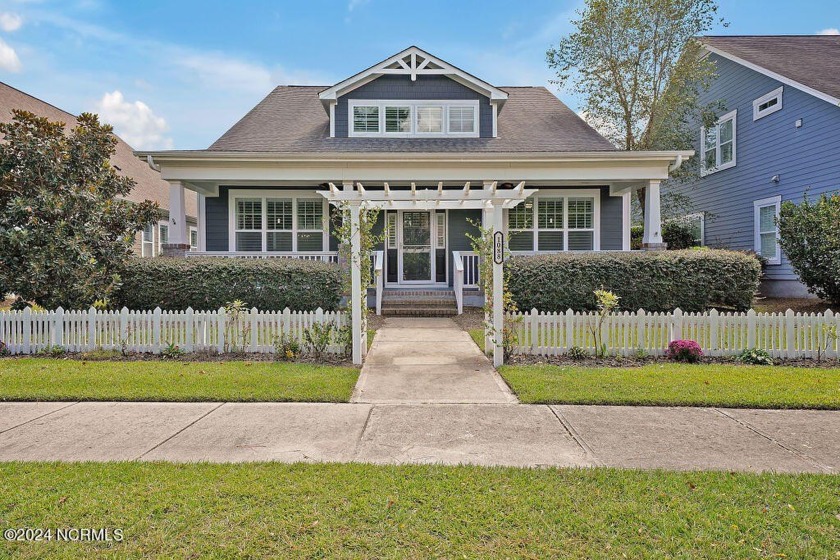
<point>416,261</point>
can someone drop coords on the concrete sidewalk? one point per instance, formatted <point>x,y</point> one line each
<point>427,360</point>
<point>484,434</point>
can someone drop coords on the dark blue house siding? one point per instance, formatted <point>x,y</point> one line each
<point>612,224</point>
<point>425,87</point>
<point>216,212</point>
<point>807,159</point>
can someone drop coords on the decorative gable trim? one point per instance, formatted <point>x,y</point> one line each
<point>412,62</point>
<point>778,77</point>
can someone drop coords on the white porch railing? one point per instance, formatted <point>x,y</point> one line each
<point>782,335</point>
<point>466,275</point>
<point>378,278</point>
<point>326,256</point>
<point>28,332</point>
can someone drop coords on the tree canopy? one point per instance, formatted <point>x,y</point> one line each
<point>639,69</point>
<point>65,229</point>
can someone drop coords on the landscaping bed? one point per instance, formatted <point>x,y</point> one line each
<point>181,380</point>
<point>349,511</point>
<point>663,383</point>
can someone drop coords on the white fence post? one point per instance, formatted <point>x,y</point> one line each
<point>220,333</point>
<point>569,324</point>
<point>27,330</point>
<point>713,332</point>
<point>751,329</point>
<point>156,331</point>
<point>189,325</point>
<point>91,338</point>
<point>58,327</point>
<point>255,315</point>
<point>676,325</point>
<point>533,327</point>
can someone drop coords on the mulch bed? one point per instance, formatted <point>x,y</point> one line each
<point>105,356</point>
<point>630,361</point>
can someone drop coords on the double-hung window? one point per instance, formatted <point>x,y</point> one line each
<point>193,238</point>
<point>147,241</point>
<point>429,120</point>
<point>397,119</point>
<point>163,236</point>
<point>554,223</point>
<point>366,119</point>
<point>718,144</point>
<point>461,120</point>
<point>766,229</point>
<point>278,222</point>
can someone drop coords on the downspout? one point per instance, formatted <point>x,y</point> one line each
<point>676,165</point>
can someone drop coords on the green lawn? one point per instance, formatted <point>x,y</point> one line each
<point>362,511</point>
<point>678,385</point>
<point>47,379</point>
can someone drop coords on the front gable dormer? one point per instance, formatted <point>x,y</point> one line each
<point>413,95</point>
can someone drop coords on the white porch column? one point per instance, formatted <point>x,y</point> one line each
<point>652,239</point>
<point>177,215</point>
<point>356,282</point>
<point>498,292</point>
<point>487,223</point>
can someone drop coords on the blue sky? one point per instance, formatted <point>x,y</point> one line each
<point>177,74</point>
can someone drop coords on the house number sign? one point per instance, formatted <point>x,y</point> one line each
<point>498,247</point>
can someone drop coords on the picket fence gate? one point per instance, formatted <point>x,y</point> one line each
<point>782,335</point>
<point>29,332</point>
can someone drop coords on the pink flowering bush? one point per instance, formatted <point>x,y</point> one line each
<point>684,351</point>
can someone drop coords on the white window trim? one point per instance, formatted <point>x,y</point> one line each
<point>565,194</point>
<point>164,223</point>
<point>263,194</point>
<point>759,114</point>
<point>413,104</point>
<point>757,206</point>
<point>150,242</point>
<point>190,231</point>
<point>720,167</point>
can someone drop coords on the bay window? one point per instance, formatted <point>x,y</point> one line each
<point>278,221</point>
<point>555,223</point>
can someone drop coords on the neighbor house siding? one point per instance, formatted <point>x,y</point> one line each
<point>806,159</point>
<point>425,87</point>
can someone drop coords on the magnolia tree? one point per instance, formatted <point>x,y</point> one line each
<point>64,230</point>
<point>810,237</point>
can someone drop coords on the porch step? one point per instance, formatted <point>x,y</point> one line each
<point>419,303</point>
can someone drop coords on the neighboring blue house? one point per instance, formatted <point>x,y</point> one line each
<point>777,139</point>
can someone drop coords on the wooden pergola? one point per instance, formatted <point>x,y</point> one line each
<point>490,199</point>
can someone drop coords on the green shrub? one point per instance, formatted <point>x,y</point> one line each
<point>810,237</point>
<point>755,357</point>
<point>678,234</point>
<point>209,283</point>
<point>577,353</point>
<point>637,234</point>
<point>650,280</point>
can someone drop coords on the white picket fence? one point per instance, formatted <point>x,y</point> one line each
<point>782,335</point>
<point>28,332</point>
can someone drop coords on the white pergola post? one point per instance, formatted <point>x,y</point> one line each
<point>177,215</point>
<point>356,281</point>
<point>652,239</point>
<point>498,291</point>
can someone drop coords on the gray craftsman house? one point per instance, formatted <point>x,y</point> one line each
<point>777,139</point>
<point>433,146</point>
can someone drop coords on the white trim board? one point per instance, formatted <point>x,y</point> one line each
<point>770,74</point>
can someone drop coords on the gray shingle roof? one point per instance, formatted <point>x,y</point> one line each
<point>291,119</point>
<point>811,60</point>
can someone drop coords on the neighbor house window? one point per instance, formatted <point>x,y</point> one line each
<point>278,222</point>
<point>766,229</point>
<point>147,241</point>
<point>366,119</point>
<point>718,144</point>
<point>163,236</point>
<point>554,223</point>
<point>406,118</point>
<point>193,239</point>
<point>767,104</point>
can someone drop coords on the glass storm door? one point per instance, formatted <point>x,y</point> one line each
<point>416,247</point>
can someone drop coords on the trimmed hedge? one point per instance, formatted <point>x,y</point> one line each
<point>209,283</point>
<point>693,280</point>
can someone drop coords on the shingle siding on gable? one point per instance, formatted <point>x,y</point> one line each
<point>806,159</point>
<point>425,87</point>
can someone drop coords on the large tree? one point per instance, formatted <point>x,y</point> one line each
<point>65,231</point>
<point>639,69</point>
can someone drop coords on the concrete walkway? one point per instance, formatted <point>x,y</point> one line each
<point>484,434</point>
<point>420,360</point>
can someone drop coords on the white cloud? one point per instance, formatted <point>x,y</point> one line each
<point>8,58</point>
<point>134,122</point>
<point>829,31</point>
<point>10,22</point>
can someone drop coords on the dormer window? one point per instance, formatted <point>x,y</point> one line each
<point>411,118</point>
